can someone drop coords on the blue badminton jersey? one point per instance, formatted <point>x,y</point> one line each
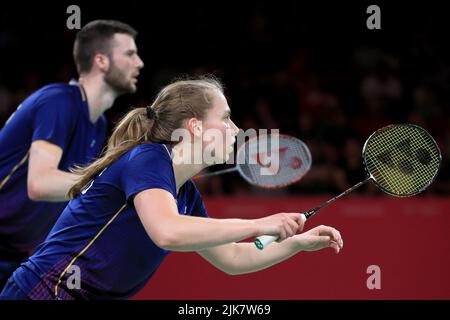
<point>57,113</point>
<point>100,237</point>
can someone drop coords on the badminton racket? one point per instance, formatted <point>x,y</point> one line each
<point>402,160</point>
<point>270,161</point>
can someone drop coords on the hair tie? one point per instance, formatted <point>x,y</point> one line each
<point>151,114</point>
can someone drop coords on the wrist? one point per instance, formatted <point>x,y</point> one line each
<point>254,228</point>
<point>298,242</point>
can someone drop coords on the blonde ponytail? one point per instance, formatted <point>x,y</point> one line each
<point>132,130</point>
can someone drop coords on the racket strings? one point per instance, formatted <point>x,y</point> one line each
<point>289,163</point>
<point>402,159</point>
<point>275,173</point>
<point>385,165</point>
<point>403,175</point>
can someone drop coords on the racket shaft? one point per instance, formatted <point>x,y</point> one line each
<point>216,173</point>
<point>262,241</point>
<point>315,210</point>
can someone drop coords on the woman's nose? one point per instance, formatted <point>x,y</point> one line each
<point>235,128</point>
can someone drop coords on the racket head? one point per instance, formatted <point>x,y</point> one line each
<point>402,159</point>
<point>292,164</point>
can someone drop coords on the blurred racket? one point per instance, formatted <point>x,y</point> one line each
<point>402,160</point>
<point>270,161</point>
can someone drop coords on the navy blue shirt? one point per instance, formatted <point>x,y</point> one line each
<point>57,113</point>
<point>101,234</point>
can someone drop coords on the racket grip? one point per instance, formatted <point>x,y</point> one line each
<point>262,241</point>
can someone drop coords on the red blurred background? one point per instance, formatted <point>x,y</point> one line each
<point>408,238</point>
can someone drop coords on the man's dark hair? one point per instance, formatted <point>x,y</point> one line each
<point>95,37</point>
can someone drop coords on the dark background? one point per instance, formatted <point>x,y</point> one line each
<point>311,69</point>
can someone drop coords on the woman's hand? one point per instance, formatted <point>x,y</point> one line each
<point>320,237</point>
<point>283,225</point>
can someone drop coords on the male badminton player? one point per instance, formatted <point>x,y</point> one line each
<point>58,126</point>
<point>137,203</point>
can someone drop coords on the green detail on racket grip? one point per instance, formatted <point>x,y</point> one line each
<point>258,244</point>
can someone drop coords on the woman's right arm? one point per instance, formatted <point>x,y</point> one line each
<point>170,230</point>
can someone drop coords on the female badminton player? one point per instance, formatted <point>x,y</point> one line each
<point>136,203</point>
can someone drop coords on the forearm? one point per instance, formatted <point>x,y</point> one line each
<point>246,258</point>
<point>53,186</point>
<point>186,233</point>
<point>169,230</point>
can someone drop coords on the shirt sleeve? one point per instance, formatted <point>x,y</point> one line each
<point>149,168</point>
<point>54,118</point>
<point>198,208</point>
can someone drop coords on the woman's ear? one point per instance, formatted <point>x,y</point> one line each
<point>195,127</point>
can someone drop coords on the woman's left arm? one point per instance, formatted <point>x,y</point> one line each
<point>241,258</point>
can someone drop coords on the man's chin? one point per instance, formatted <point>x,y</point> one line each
<point>126,89</point>
<point>133,89</point>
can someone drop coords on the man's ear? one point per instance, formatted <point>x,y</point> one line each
<point>195,127</point>
<point>102,62</point>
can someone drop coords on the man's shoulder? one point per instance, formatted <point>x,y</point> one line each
<point>56,90</point>
<point>53,97</point>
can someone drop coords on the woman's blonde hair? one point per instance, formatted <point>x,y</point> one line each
<point>175,103</point>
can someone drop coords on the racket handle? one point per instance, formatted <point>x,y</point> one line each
<point>262,241</point>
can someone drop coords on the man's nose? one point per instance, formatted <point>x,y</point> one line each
<point>140,63</point>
